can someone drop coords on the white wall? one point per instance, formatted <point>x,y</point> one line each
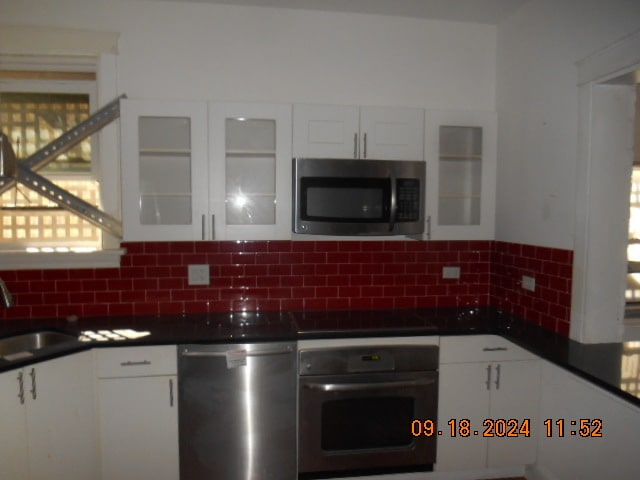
<point>537,103</point>
<point>179,50</point>
<point>550,192</point>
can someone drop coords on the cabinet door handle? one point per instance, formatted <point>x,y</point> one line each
<point>213,227</point>
<point>365,146</point>
<point>203,226</point>
<point>32,374</point>
<point>429,227</point>
<point>171,392</point>
<point>488,383</point>
<point>495,349</point>
<point>135,364</point>
<point>355,145</point>
<point>21,387</point>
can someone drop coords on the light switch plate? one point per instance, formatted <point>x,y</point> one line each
<point>529,283</point>
<point>199,274</point>
<point>451,272</point>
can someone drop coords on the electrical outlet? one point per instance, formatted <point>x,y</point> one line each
<point>529,283</point>
<point>451,272</point>
<point>199,274</point>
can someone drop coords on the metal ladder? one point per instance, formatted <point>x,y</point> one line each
<point>25,171</point>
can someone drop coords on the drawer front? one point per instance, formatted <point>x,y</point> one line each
<point>136,361</point>
<point>480,348</point>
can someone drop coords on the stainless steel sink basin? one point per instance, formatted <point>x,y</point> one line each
<point>32,342</point>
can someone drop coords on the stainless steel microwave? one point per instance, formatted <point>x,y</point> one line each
<point>358,197</point>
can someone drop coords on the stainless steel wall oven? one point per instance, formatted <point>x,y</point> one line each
<point>356,405</point>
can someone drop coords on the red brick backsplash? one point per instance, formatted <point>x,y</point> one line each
<point>303,275</point>
<point>550,304</point>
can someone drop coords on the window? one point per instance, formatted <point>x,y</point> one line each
<point>632,293</point>
<point>35,109</point>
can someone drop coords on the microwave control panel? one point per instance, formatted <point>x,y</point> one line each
<point>408,199</point>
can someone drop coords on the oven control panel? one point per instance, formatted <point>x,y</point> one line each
<point>397,358</point>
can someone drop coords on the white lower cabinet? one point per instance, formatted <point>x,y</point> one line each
<point>13,453</point>
<point>586,432</point>
<point>138,413</point>
<point>488,404</point>
<point>48,420</point>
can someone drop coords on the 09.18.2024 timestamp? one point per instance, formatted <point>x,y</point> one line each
<point>508,428</point>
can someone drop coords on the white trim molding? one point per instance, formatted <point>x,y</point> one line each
<point>615,59</point>
<point>58,260</point>
<point>27,40</point>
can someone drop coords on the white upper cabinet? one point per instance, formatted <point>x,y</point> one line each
<point>198,171</point>
<point>460,150</point>
<point>164,170</point>
<point>250,172</point>
<point>327,131</point>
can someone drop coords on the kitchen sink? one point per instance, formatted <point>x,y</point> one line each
<point>32,342</point>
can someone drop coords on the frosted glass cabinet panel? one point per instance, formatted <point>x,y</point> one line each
<point>164,170</point>
<point>250,170</point>
<point>460,150</point>
<point>460,175</point>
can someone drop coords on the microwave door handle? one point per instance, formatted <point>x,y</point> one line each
<point>394,204</point>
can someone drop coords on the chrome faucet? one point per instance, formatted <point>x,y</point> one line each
<point>5,296</point>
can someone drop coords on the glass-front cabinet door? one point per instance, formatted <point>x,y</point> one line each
<point>461,174</point>
<point>250,171</point>
<point>164,170</point>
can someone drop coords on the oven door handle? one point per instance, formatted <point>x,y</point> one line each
<point>354,387</point>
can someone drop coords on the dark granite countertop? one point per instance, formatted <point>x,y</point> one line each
<point>604,365</point>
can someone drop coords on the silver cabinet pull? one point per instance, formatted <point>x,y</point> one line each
<point>365,146</point>
<point>32,374</point>
<point>429,227</point>
<point>203,226</point>
<point>495,349</point>
<point>488,382</point>
<point>135,364</point>
<point>355,145</point>
<point>21,387</point>
<point>171,392</point>
<point>213,227</point>
<point>498,377</point>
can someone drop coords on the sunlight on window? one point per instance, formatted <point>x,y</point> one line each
<point>29,221</point>
<point>630,371</point>
<point>632,293</point>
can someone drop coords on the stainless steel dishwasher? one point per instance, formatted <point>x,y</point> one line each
<point>237,407</point>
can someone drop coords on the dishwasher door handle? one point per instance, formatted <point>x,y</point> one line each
<point>355,387</point>
<point>262,353</point>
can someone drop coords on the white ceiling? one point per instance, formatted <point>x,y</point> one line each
<point>477,11</point>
